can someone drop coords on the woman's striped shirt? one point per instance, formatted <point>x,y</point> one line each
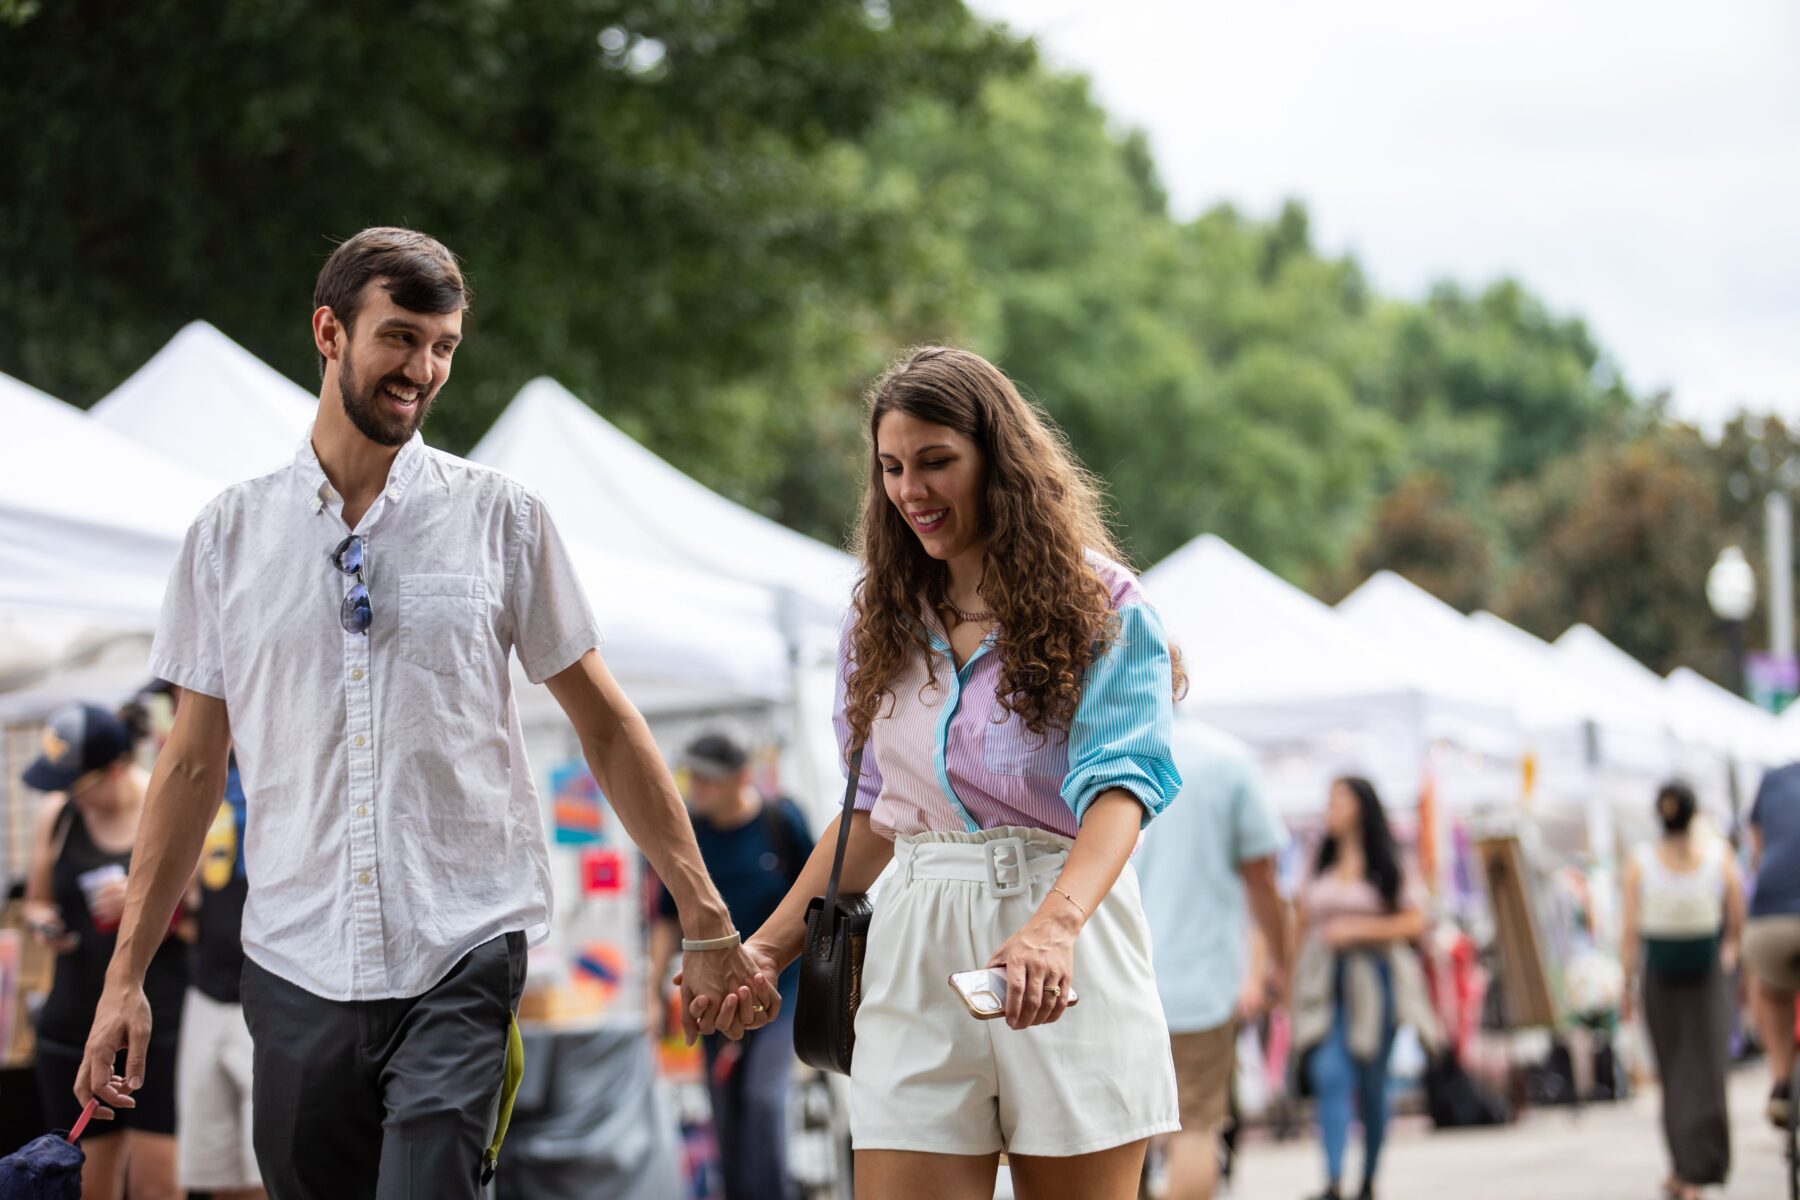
<point>944,756</point>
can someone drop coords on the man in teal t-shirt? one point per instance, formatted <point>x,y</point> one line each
<point>1200,859</point>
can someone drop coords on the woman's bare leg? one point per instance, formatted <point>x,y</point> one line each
<point>909,1175</point>
<point>1103,1175</point>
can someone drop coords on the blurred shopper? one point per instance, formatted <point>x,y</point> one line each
<point>80,859</point>
<point>754,848</point>
<point>1014,694</point>
<point>213,1081</point>
<point>1214,848</point>
<point>346,623</point>
<point>1357,980</point>
<point>1684,901</point>
<point>1772,934</point>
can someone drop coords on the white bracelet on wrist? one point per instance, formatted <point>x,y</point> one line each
<point>734,938</point>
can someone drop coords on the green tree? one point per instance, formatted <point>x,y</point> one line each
<point>1419,531</point>
<point>1620,536</point>
<point>666,205</point>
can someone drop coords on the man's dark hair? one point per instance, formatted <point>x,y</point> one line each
<point>716,755</point>
<point>416,269</point>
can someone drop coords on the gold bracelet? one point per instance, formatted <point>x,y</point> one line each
<point>1071,900</point>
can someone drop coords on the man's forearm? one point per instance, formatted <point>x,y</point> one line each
<point>184,796</point>
<point>630,771</point>
<point>1270,913</point>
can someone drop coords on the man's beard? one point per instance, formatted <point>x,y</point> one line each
<point>367,411</point>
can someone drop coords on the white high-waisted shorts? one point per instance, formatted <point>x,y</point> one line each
<point>928,1076</point>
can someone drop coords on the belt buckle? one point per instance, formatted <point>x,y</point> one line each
<point>991,858</point>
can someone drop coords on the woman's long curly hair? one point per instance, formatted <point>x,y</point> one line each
<point>1042,512</point>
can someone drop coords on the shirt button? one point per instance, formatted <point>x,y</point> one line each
<point>362,877</point>
<point>362,810</point>
<point>393,493</point>
<point>356,672</point>
<point>360,740</point>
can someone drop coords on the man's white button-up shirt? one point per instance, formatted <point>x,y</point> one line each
<point>392,821</point>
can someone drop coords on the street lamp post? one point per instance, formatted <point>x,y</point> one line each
<point>1731,593</point>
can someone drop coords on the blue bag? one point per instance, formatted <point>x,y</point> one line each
<point>46,1168</point>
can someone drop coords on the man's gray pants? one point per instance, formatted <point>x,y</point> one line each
<point>381,1099</point>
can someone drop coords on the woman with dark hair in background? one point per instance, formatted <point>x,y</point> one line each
<point>74,896</point>
<point>1684,900</point>
<point>1356,980</point>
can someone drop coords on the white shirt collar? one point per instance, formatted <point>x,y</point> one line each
<point>317,491</point>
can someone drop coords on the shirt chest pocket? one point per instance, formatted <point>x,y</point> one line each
<point>1011,749</point>
<point>443,621</point>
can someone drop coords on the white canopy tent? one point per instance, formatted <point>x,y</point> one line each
<point>1636,692</point>
<point>1441,644</point>
<point>1315,696</point>
<point>608,490</point>
<point>82,569</point>
<point>89,519</point>
<point>1752,739</point>
<point>1789,720</point>
<point>89,522</point>
<point>207,401</point>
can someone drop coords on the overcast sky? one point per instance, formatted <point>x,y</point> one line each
<point>1635,162</point>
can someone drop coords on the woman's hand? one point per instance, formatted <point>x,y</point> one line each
<point>46,925</point>
<point>107,904</point>
<point>1040,968</point>
<point>735,1012</point>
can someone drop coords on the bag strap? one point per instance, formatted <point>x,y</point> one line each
<point>843,839</point>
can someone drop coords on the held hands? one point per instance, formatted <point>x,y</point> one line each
<point>1040,968</point>
<point>122,1022</point>
<point>727,991</point>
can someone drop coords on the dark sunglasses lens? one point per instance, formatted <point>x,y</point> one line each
<point>356,613</point>
<point>348,557</point>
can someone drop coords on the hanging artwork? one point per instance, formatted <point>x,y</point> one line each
<point>577,805</point>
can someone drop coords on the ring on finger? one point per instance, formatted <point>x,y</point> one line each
<point>1054,989</point>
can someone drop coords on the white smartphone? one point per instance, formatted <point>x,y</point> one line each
<point>983,992</point>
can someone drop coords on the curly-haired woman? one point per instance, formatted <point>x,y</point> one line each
<point>1014,695</point>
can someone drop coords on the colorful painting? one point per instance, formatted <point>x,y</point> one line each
<point>577,806</point>
<point>602,872</point>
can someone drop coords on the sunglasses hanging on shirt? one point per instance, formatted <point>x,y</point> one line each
<point>355,613</point>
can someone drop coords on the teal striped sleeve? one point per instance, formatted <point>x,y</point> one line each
<point>1120,737</point>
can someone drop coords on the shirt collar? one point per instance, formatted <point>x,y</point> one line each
<point>939,637</point>
<point>316,489</point>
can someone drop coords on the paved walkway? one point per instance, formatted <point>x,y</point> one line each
<point>1605,1152</point>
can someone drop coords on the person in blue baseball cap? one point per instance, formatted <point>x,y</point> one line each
<point>74,898</point>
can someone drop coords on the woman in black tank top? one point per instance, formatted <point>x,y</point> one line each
<point>74,897</point>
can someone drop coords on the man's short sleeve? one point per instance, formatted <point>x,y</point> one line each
<point>552,623</point>
<point>188,649</point>
<point>1259,832</point>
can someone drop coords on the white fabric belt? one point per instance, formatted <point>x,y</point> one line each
<point>996,863</point>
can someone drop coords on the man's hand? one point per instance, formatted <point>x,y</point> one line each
<point>726,991</point>
<point>122,1022</point>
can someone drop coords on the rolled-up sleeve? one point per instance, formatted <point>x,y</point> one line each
<point>870,785</point>
<point>1120,737</point>
<point>552,623</point>
<point>188,649</point>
